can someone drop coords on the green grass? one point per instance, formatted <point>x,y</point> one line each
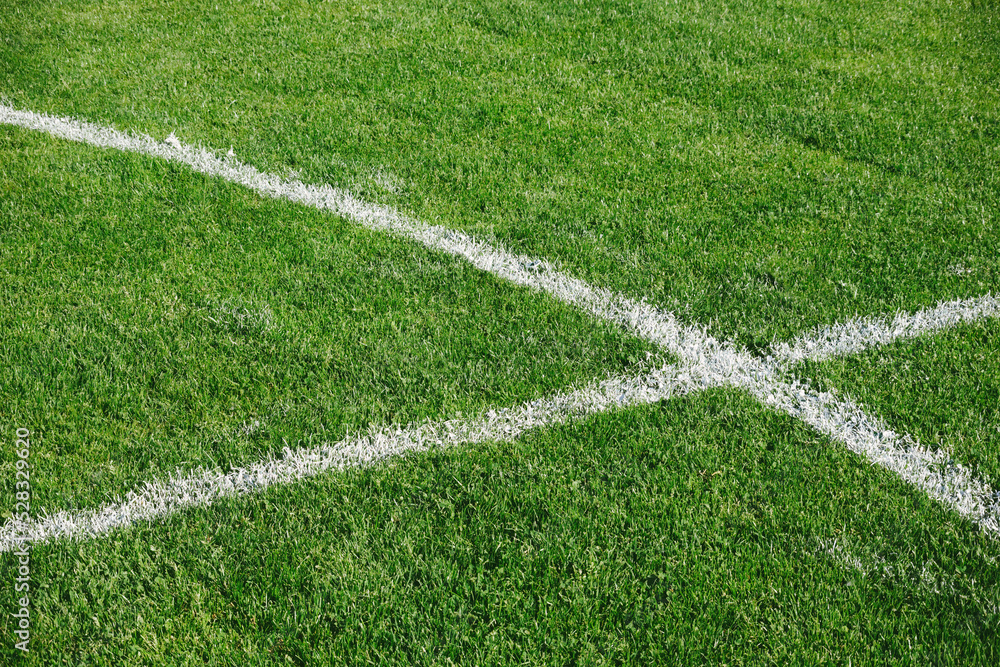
<point>762,167</point>
<point>942,390</point>
<point>154,319</point>
<point>754,166</point>
<point>689,532</point>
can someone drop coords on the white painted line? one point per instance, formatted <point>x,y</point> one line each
<point>160,499</point>
<point>862,333</point>
<point>933,472</point>
<point>704,362</point>
<point>642,318</point>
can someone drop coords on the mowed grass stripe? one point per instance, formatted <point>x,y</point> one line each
<point>155,319</point>
<point>667,533</point>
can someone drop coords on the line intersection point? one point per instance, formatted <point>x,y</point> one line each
<point>703,363</point>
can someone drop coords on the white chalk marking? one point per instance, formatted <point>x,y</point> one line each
<point>160,499</point>
<point>644,319</point>
<point>932,471</point>
<point>859,334</point>
<point>704,362</point>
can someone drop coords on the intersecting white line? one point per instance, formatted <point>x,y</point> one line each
<point>704,362</point>
<point>859,334</point>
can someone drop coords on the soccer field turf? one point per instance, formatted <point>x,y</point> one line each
<point>500,332</point>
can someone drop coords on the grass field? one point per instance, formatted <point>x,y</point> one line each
<point>760,171</point>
